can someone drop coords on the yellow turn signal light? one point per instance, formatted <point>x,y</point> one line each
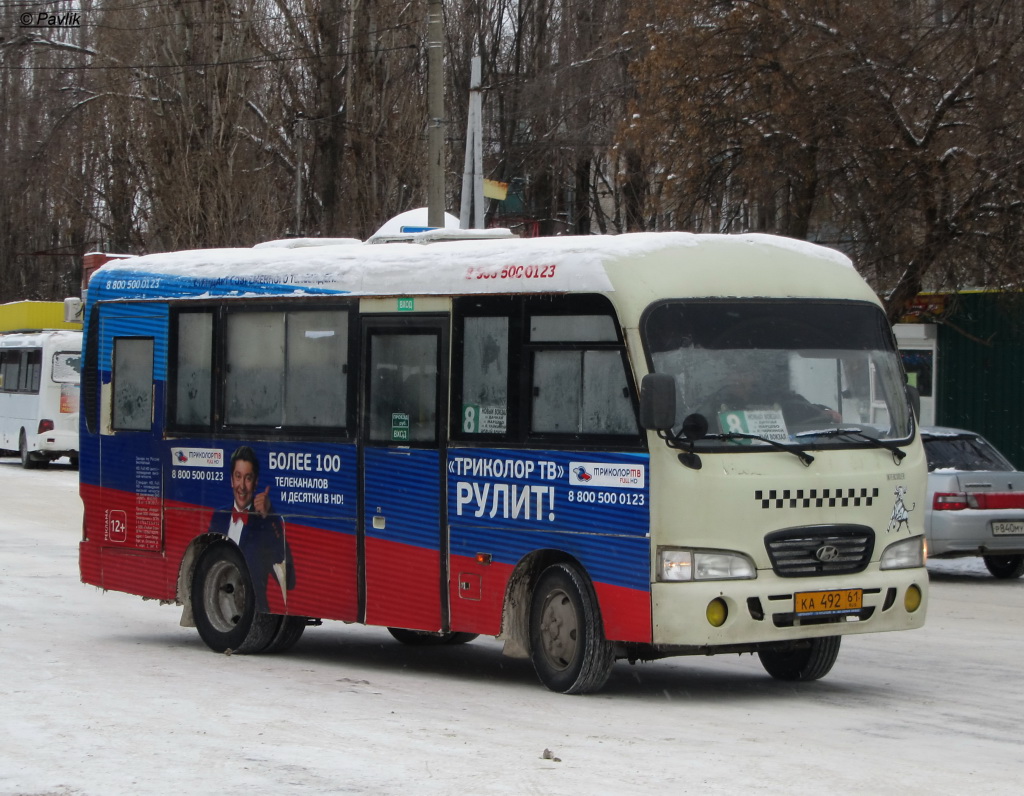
<point>912,599</point>
<point>717,612</point>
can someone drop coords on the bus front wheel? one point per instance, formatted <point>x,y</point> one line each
<point>224,605</point>
<point>567,645</point>
<point>803,660</point>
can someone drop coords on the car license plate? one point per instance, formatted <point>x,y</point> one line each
<point>1007,528</point>
<point>839,601</point>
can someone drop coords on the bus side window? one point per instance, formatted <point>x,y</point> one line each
<point>485,357</point>
<point>132,378</point>
<point>581,392</point>
<point>32,370</point>
<point>20,370</point>
<point>579,387</point>
<point>255,369</point>
<point>10,368</point>
<point>287,369</point>
<point>316,362</point>
<point>194,372</point>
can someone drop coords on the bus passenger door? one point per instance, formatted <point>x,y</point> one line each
<point>404,422</point>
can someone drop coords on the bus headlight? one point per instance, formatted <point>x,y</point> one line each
<point>676,564</point>
<point>906,554</point>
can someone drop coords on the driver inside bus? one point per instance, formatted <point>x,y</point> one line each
<point>750,389</point>
<point>259,533</point>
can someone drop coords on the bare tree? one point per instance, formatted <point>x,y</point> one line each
<point>890,130</point>
<point>554,79</point>
<point>44,168</point>
<point>893,131</point>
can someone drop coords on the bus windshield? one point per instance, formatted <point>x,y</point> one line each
<point>788,371</point>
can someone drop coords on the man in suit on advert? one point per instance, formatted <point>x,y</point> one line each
<point>258,532</point>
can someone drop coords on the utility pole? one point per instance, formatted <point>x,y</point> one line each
<point>298,174</point>
<point>472,215</point>
<point>435,112</point>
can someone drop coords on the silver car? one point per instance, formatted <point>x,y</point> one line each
<point>975,501</point>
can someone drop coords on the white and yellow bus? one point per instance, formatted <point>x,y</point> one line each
<point>594,448</point>
<point>39,375</point>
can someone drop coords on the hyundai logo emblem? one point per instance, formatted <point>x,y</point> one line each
<point>826,553</point>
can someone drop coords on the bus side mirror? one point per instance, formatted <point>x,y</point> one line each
<point>658,401</point>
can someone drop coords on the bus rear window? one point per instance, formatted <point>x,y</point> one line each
<point>66,367</point>
<point>132,379</point>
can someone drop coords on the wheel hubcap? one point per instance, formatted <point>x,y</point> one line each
<point>559,630</point>
<point>224,596</point>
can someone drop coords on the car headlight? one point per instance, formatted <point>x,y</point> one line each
<point>675,564</point>
<point>905,554</point>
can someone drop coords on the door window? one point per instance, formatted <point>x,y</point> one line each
<point>403,391</point>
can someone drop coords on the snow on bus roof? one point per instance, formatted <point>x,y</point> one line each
<point>300,243</point>
<point>802,247</point>
<point>559,264</point>
<point>36,337</point>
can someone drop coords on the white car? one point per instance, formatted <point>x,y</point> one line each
<point>975,501</point>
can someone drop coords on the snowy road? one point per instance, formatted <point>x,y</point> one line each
<point>105,694</point>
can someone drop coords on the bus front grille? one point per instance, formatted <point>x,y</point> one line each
<point>820,550</point>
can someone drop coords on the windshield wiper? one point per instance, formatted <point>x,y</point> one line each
<point>892,447</point>
<point>801,454</point>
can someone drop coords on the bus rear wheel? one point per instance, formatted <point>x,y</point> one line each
<point>802,660</point>
<point>289,631</point>
<point>28,461</point>
<point>567,645</point>
<point>224,605</point>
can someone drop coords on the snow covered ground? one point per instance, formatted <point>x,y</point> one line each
<point>106,694</point>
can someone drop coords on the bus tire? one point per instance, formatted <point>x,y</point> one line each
<point>28,461</point>
<point>802,660</point>
<point>224,605</point>
<point>288,633</point>
<point>421,638</point>
<point>567,645</point>
<point>1005,566</point>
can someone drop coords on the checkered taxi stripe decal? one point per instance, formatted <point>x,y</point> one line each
<point>814,498</point>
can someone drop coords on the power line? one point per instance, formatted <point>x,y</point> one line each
<point>201,65</point>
